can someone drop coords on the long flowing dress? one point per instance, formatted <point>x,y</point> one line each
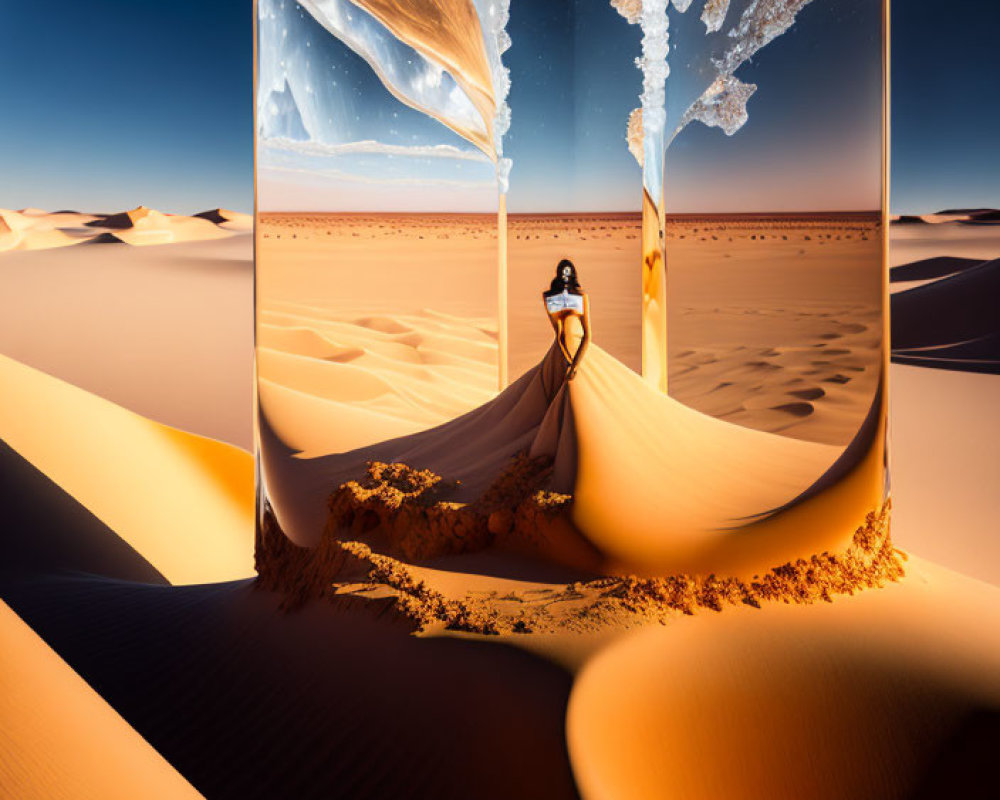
<point>644,484</point>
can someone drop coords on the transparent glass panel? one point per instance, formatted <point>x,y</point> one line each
<point>654,345</point>
<point>377,246</point>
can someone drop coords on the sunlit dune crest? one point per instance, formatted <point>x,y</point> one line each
<point>184,502</point>
<point>59,738</point>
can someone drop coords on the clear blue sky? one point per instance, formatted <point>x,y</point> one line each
<point>106,104</point>
<point>945,105</point>
<point>112,103</point>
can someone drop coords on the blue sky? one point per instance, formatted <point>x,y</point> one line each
<point>945,105</point>
<point>108,104</point>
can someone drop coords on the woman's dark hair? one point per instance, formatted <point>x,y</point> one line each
<point>565,279</point>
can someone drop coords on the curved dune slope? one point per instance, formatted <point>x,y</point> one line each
<point>184,502</point>
<point>950,323</point>
<point>59,739</point>
<point>228,220</point>
<point>931,268</point>
<point>889,694</point>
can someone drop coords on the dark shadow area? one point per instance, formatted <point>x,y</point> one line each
<point>335,700</point>
<point>45,531</point>
<point>965,766</point>
<point>953,323</point>
<point>931,268</point>
<point>329,701</point>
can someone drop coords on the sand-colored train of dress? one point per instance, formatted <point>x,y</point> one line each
<point>602,473</point>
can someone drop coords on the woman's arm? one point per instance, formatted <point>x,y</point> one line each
<point>584,342</point>
<point>552,322</point>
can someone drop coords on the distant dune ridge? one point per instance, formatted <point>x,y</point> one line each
<point>34,229</point>
<point>969,216</point>
<point>931,268</point>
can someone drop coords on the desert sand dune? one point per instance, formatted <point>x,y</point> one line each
<point>893,693</point>
<point>184,502</point>
<point>252,702</point>
<point>216,653</point>
<point>145,226</point>
<point>35,229</point>
<point>194,670</point>
<point>956,239</point>
<point>129,219</point>
<point>931,268</point>
<point>951,322</point>
<point>239,647</point>
<point>19,231</point>
<point>48,531</point>
<point>945,469</point>
<point>228,220</point>
<point>60,739</point>
<point>166,334</point>
<point>357,380</point>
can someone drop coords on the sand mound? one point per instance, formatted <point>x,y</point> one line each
<point>34,229</point>
<point>126,219</point>
<point>587,606</point>
<point>59,738</point>
<point>127,470</point>
<point>16,220</point>
<point>22,231</point>
<point>8,238</point>
<point>216,215</point>
<point>106,238</point>
<point>892,693</point>
<point>950,323</point>
<point>230,220</point>
<point>146,226</point>
<point>990,217</point>
<point>968,212</point>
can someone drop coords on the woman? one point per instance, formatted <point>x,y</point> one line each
<point>568,307</point>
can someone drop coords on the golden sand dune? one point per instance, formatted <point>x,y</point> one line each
<point>891,693</point>
<point>332,383</point>
<point>870,694</point>
<point>182,501</point>
<point>163,331</point>
<point>20,231</point>
<point>228,220</point>
<point>34,229</point>
<point>145,226</point>
<point>60,739</point>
